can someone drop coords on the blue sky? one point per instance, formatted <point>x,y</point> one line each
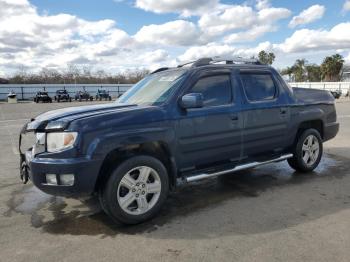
<point>123,11</point>
<point>117,35</point>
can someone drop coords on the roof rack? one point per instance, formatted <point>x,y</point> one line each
<point>212,60</point>
<point>160,70</point>
<point>216,59</point>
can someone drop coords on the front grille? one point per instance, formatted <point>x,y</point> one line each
<point>28,140</point>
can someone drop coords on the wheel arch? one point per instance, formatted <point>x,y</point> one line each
<point>317,124</point>
<point>157,149</point>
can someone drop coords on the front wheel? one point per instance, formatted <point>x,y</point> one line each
<point>307,152</point>
<point>135,190</point>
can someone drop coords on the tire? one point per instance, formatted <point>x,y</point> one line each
<point>125,181</point>
<point>308,151</point>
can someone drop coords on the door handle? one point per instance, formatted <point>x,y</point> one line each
<point>283,111</point>
<point>234,117</point>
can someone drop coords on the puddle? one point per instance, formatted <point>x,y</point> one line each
<point>33,199</point>
<point>58,215</point>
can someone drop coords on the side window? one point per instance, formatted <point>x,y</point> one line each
<point>259,87</point>
<point>216,90</point>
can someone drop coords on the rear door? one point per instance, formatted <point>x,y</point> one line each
<point>265,113</point>
<point>211,133</point>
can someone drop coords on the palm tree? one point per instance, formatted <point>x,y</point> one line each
<point>288,71</point>
<point>266,58</point>
<point>331,67</point>
<point>299,70</point>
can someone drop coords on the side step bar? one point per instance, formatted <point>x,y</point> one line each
<point>237,168</point>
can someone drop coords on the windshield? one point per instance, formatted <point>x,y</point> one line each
<point>153,89</point>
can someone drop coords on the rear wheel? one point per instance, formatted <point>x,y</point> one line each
<point>135,190</point>
<point>307,152</point>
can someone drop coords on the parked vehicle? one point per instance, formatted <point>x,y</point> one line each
<point>12,94</point>
<point>83,95</point>
<point>42,96</point>
<point>103,94</point>
<point>177,125</point>
<point>336,94</point>
<point>62,95</point>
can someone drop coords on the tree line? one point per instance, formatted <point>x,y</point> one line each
<point>75,75</point>
<point>300,71</point>
<point>303,71</point>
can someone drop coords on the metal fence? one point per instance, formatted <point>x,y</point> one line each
<point>330,86</point>
<point>28,91</point>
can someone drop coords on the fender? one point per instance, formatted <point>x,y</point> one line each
<point>102,145</point>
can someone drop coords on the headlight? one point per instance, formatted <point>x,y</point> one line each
<point>59,141</point>
<point>40,138</point>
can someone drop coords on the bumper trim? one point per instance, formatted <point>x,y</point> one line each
<point>85,173</point>
<point>330,131</point>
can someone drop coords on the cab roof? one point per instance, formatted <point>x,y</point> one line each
<point>217,62</point>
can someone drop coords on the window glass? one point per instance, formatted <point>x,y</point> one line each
<point>216,90</point>
<point>258,87</point>
<point>153,89</point>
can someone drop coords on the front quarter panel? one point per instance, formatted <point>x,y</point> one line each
<point>102,134</point>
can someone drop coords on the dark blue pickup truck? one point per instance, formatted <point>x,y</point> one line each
<point>177,125</point>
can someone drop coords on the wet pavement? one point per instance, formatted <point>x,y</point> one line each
<point>268,213</point>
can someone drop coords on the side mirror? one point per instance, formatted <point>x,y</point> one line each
<point>193,100</point>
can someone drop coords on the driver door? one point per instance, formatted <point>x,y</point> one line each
<point>211,133</point>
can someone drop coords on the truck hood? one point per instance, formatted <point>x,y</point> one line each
<point>66,115</point>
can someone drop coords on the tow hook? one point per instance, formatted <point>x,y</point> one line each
<point>24,173</point>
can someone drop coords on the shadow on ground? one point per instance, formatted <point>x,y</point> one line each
<point>249,202</point>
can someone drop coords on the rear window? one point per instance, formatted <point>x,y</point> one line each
<point>259,86</point>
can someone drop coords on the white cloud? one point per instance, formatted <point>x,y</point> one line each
<point>223,50</point>
<point>184,7</point>
<point>347,58</point>
<point>230,18</point>
<point>305,40</point>
<point>234,17</point>
<point>177,32</point>
<point>249,35</point>
<point>308,16</point>
<point>346,6</point>
<point>262,4</point>
<point>32,40</point>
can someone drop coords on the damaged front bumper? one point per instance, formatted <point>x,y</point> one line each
<point>40,167</point>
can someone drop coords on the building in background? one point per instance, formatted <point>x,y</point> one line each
<point>345,74</point>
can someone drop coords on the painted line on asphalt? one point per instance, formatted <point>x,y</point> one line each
<point>13,143</point>
<point>344,116</point>
<point>13,120</point>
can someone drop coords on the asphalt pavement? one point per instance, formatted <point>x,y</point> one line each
<point>264,214</point>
